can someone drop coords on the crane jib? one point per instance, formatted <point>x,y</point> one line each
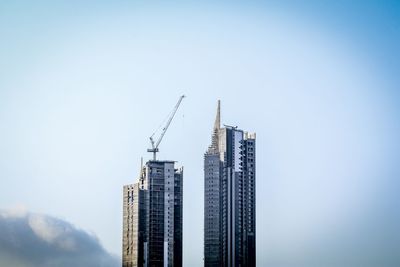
<point>155,145</point>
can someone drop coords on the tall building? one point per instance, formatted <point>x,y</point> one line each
<point>152,220</point>
<point>133,230</point>
<point>229,197</point>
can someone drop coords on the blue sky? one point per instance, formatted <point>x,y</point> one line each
<point>83,86</point>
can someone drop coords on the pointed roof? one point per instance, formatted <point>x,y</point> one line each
<point>217,123</point>
<point>213,148</point>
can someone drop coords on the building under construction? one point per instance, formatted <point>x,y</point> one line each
<point>153,212</point>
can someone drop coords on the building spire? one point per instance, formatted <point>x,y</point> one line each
<point>213,148</point>
<point>217,124</point>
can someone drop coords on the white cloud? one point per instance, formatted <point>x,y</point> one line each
<point>44,228</point>
<point>52,231</point>
<point>18,211</point>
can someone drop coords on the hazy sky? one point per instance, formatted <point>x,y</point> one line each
<point>83,86</point>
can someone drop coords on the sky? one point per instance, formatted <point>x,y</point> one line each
<point>84,84</point>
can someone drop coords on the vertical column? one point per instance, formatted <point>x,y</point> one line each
<point>169,177</point>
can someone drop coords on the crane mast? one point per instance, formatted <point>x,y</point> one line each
<point>154,144</point>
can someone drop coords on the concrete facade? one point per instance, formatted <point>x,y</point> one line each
<point>132,239</point>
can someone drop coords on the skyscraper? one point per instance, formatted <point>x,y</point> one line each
<point>152,222</point>
<point>229,197</point>
<point>133,229</point>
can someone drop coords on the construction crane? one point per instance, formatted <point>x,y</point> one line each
<point>154,145</point>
